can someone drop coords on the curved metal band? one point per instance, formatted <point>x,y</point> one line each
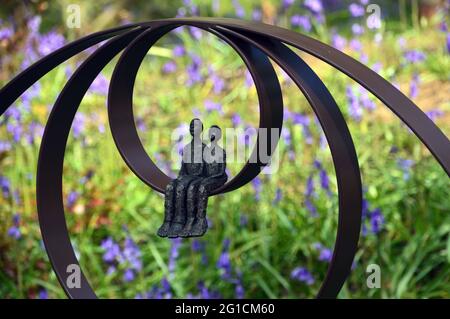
<point>51,159</point>
<point>121,119</point>
<point>262,36</point>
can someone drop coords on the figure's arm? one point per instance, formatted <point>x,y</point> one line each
<point>222,166</point>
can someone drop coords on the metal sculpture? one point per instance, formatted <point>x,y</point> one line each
<point>255,43</point>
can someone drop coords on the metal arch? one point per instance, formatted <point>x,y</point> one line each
<point>268,39</point>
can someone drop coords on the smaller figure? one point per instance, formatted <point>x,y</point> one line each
<point>197,195</point>
<point>176,190</point>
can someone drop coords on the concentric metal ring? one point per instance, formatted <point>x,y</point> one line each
<point>255,43</point>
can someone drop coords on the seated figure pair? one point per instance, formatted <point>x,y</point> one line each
<point>186,197</point>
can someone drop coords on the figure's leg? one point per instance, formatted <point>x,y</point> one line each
<point>191,205</point>
<point>169,208</point>
<point>180,207</point>
<point>206,187</point>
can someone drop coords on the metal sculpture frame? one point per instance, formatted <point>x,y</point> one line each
<point>255,43</point>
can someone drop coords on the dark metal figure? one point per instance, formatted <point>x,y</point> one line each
<point>176,190</point>
<point>197,195</point>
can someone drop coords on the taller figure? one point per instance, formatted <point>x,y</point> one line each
<point>192,168</point>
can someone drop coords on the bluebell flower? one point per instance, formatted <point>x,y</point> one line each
<point>414,56</point>
<point>257,186</point>
<point>356,10</point>
<point>43,294</point>
<point>194,70</point>
<point>325,254</point>
<point>434,114</point>
<point>338,41</point>
<point>414,86</point>
<point>256,15</point>
<point>5,186</point>
<point>405,165</point>
<point>278,196</point>
<point>111,248</point>
<point>315,6</point>
<point>169,67</point>
<point>302,22</point>
<point>303,275</point>
<point>286,4</point>
<point>100,85</point>
<point>49,43</point>
<point>236,119</point>
<point>179,50</point>
<point>376,221</point>
<point>357,29</point>
<point>311,208</point>
<point>174,253</point>
<point>240,12</point>
<point>128,275</point>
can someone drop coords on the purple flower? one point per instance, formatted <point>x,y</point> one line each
<point>325,254</point>
<point>357,29</point>
<point>212,106</point>
<point>4,146</point>
<point>111,248</point>
<point>236,119</point>
<point>14,232</point>
<point>356,45</point>
<point>302,22</point>
<point>448,43</point>
<point>248,79</point>
<point>49,43</point>
<point>174,253</point>
<point>78,124</point>
<point>309,192</point>
<point>5,186</point>
<point>365,100</point>
<point>193,69</point>
<point>278,196</point>
<point>243,220</point>
<point>311,208</point>
<point>338,41</point>
<point>43,294</point>
<point>315,6</point>
<point>356,10</point>
<point>196,33</point>
<point>355,109</point>
<point>72,198</point>
<point>287,3</point>
<point>405,165</point>
<point>256,15</point>
<point>414,86</point>
<point>239,291</point>
<point>443,26</point>
<point>286,135</point>
<point>303,275</point>
<point>257,186</point>
<point>6,33</point>
<point>179,51</point>
<point>324,180</point>
<point>128,275</point>
<point>240,12</point>
<point>100,85</point>
<point>434,114</point>
<point>376,221</point>
<point>131,255</point>
<point>169,67</point>
<point>218,83</point>
<point>414,56</point>
<point>224,262</point>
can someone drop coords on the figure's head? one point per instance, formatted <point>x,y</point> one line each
<point>215,133</point>
<point>196,127</point>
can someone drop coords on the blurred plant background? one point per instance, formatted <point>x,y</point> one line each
<point>272,238</point>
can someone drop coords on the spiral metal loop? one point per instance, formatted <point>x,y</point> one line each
<point>255,43</point>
